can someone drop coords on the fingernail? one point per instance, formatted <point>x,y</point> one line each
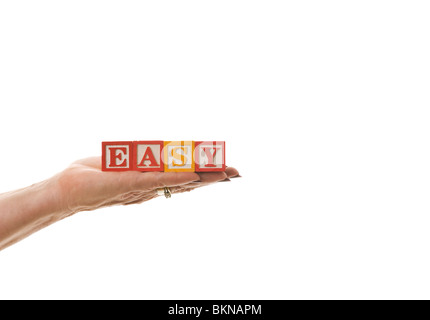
<point>225,180</point>
<point>238,176</point>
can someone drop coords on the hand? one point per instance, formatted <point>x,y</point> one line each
<point>85,187</point>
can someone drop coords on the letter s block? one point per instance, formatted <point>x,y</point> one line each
<point>117,156</point>
<point>179,156</point>
<point>210,156</point>
<point>147,156</point>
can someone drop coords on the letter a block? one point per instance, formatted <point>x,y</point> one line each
<point>147,155</point>
<point>116,156</point>
<point>210,156</point>
<point>179,156</point>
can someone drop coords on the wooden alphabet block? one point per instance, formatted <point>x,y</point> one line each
<point>148,155</point>
<point>169,156</point>
<point>117,155</point>
<point>209,156</point>
<point>179,156</point>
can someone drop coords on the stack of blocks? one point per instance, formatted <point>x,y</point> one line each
<point>168,156</point>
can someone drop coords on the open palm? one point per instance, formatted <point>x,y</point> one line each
<point>83,186</point>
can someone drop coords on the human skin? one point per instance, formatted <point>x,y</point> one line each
<point>82,187</point>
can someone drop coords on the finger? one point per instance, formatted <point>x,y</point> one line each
<point>147,197</point>
<point>93,162</point>
<point>185,188</point>
<point>196,184</point>
<point>180,189</point>
<point>153,180</point>
<point>204,181</point>
<point>210,177</point>
<point>175,189</point>
<point>231,172</point>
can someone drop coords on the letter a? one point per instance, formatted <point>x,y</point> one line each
<point>148,156</point>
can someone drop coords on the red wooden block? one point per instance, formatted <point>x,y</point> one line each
<point>209,156</point>
<point>117,156</point>
<point>147,156</point>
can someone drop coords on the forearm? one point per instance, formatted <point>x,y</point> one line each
<point>25,211</point>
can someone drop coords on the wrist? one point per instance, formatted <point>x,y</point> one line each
<point>29,209</point>
<point>56,198</point>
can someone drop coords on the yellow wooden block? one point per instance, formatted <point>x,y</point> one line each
<point>179,156</point>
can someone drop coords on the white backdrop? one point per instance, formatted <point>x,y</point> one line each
<point>324,107</point>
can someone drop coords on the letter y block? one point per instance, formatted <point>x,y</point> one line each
<point>210,156</point>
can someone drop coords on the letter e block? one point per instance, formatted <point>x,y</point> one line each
<point>179,156</point>
<point>147,156</point>
<point>210,156</point>
<point>116,156</point>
